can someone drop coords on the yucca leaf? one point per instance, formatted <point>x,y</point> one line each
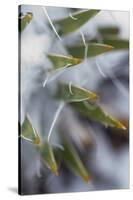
<point>48,158</point>
<point>108,30</point>
<point>68,24</point>
<point>93,49</point>
<point>28,133</point>
<point>117,43</point>
<point>60,61</point>
<point>95,112</point>
<point>73,161</point>
<point>72,93</point>
<point>24,20</point>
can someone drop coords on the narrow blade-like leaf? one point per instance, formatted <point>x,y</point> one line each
<point>48,158</point>
<point>73,161</point>
<point>24,20</point>
<point>108,30</point>
<point>60,61</point>
<point>68,24</point>
<point>28,133</point>
<point>117,43</point>
<point>95,112</point>
<point>72,93</point>
<point>93,49</point>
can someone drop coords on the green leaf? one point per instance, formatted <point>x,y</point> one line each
<point>108,30</point>
<point>73,161</point>
<point>48,158</point>
<point>95,112</point>
<point>28,133</point>
<point>60,61</point>
<point>93,49</point>
<point>68,25</point>
<point>117,43</point>
<point>72,93</point>
<point>24,20</point>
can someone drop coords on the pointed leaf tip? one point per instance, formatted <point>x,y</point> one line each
<point>48,158</point>
<point>60,61</point>
<point>24,20</point>
<point>93,49</point>
<point>37,140</point>
<point>119,125</point>
<point>28,133</point>
<point>67,25</point>
<point>72,93</point>
<point>73,161</point>
<point>95,112</point>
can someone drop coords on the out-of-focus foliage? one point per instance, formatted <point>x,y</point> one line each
<point>47,157</point>
<point>93,49</point>
<point>24,20</point>
<point>108,30</point>
<point>116,42</point>
<point>73,161</point>
<point>70,24</point>
<point>29,133</point>
<point>73,93</point>
<point>80,99</point>
<point>107,40</point>
<point>95,112</point>
<point>60,61</point>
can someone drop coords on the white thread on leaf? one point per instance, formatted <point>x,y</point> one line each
<point>26,138</point>
<point>59,72</point>
<point>55,118</point>
<point>52,25</point>
<point>70,88</point>
<point>35,133</point>
<point>86,46</point>
<point>46,80</point>
<point>74,18</point>
<point>83,38</point>
<point>88,106</point>
<point>85,53</point>
<point>99,68</point>
<point>58,146</point>
<point>51,77</point>
<point>81,99</point>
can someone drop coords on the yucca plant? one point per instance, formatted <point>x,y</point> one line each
<point>77,98</point>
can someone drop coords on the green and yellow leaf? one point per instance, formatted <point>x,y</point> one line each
<point>59,61</point>
<point>28,133</point>
<point>93,49</point>
<point>108,30</point>
<point>117,43</point>
<point>24,20</point>
<point>93,111</point>
<point>72,93</point>
<point>73,162</point>
<point>68,25</point>
<point>48,158</point>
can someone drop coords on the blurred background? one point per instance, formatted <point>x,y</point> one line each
<point>103,150</point>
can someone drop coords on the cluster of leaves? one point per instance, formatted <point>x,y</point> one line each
<point>80,99</point>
